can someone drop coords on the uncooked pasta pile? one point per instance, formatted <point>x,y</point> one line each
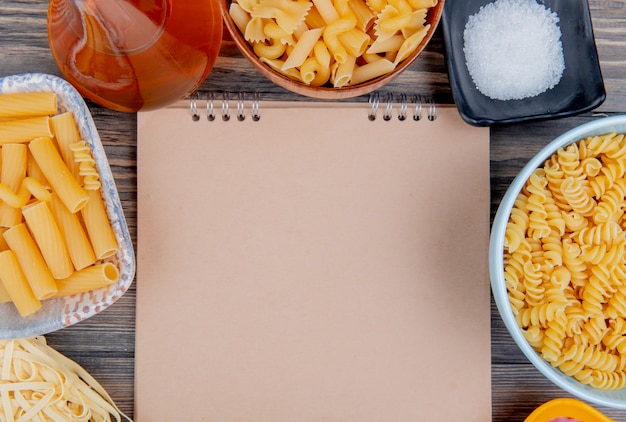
<point>565,260</point>
<point>37,383</point>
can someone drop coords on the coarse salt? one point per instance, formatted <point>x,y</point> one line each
<point>513,49</point>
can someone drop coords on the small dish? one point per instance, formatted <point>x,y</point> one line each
<point>566,409</point>
<point>580,89</point>
<point>62,312</point>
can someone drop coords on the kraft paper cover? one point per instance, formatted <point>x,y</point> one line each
<point>312,266</point>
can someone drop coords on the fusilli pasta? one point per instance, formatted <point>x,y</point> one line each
<point>565,260</point>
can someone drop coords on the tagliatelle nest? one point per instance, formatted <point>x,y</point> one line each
<point>37,383</point>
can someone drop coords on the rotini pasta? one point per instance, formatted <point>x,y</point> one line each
<point>577,196</point>
<point>565,260</point>
<point>553,249</point>
<point>86,165</point>
<point>533,284</point>
<point>569,161</point>
<point>540,315</point>
<point>617,305</point>
<point>537,197</point>
<point>517,225</point>
<point>554,337</point>
<point>614,339</point>
<point>609,207</point>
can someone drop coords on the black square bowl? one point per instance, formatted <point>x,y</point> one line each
<point>580,89</point>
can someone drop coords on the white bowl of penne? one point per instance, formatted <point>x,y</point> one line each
<point>65,248</point>
<point>331,49</point>
<point>557,261</point>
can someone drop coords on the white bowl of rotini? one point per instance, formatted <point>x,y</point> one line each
<point>65,248</point>
<point>331,49</point>
<point>558,261</point>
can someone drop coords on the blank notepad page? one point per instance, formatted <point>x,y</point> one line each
<point>312,266</point>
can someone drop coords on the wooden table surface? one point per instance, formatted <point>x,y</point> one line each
<point>104,344</point>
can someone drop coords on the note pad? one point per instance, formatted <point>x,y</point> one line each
<point>312,266</point>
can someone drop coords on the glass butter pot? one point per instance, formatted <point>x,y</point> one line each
<point>131,55</point>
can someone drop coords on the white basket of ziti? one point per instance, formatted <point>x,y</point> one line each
<point>65,249</point>
<point>557,261</point>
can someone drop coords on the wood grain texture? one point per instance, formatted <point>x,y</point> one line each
<point>104,344</point>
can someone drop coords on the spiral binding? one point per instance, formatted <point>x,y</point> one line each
<point>225,109</point>
<point>421,104</point>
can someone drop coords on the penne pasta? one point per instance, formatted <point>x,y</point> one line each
<point>57,173</point>
<point>77,241</point>
<point>326,10</point>
<point>354,41</point>
<point>410,44</point>
<point>278,66</point>
<point>240,16</point>
<point>24,130</point>
<point>90,278</point>
<point>342,8</point>
<point>383,46</point>
<point>300,29</point>
<point>391,56</point>
<point>27,104</point>
<point>368,58</point>
<point>364,15</point>
<point>372,70</point>
<point>314,19</point>
<point>377,5</point>
<point>3,243</point>
<point>303,48</point>
<point>343,72</point>
<point>31,261</point>
<point>14,157</point>
<point>98,227</point>
<point>49,239</point>
<point>16,285</point>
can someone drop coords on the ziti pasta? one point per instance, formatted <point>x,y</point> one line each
<point>56,237</point>
<point>336,43</point>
